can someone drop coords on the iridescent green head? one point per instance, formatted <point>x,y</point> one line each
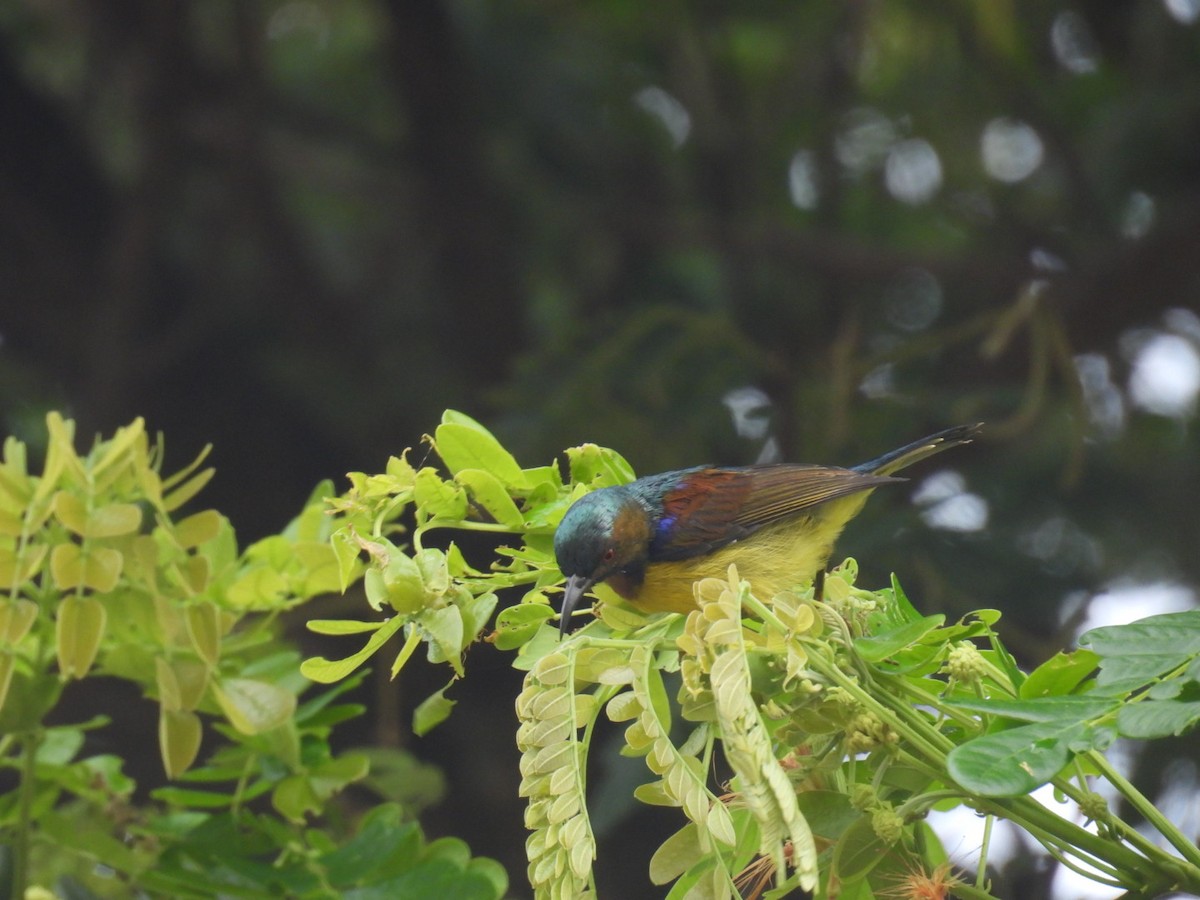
<point>604,533</point>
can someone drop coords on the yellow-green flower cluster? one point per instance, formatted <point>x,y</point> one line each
<point>714,658</point>
<point>965,664</point>
<point>683,781</point>
<point>561,848</point>
<point>867,731</point>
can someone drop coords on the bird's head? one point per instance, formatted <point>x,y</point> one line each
<point>604,533</point>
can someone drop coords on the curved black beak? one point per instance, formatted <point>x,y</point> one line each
<point>576,587</point>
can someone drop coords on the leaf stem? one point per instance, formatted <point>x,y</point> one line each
<point>1151,814</point>
<point>984,847</point>
<point>22,840</point>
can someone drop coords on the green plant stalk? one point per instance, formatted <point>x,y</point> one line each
<point>999,678</point>
<point>902,684</point>
<point>494,527</point>
<point>928,739</point>
<point>1139,802</point>
<point>22,840</point>
<point>1109,877</point>
<point>1130,834</point>
<point>985,846</point>
<point>1038,820</point>
<point>933,746</point>
<point>235,808</point>
<point>971,892</point>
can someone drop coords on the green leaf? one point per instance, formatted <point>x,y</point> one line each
<point>102,569</point>
<point>386,845</point>
<point>620,617</point>
<point>71,511</point>
<point>73,836</point>
<point>858,851</point>
<point>30,697</point>
<point>465,446</point>
<point>658,698</point>
<point>198,529</point>
<point>900,603</point>
<point>434,567</point>
<point>174,796</point>
<point>1059,675</point>
<point>476,610</point>
<point>204,629</point>
<point>179,736</point>
<point>252,706</point>
<point>294,797</point>
<point>187,490</point>
<point>403,584</point>
<point>406,652</point>
<point>488,492</point>
<point>598,467</point>
<point>676,855</point>
<point>1135,654</point>
<point>97,569</point>
<point>169,695</point>
<point>113,520</point>
<point>120,442</point>
<point>78,631</point>
<point>701,882</point>
<point>517,624</point>
<point>880,646</point>
<point>1065,710</point>
<point>1014,762</point>
<point>333,775</point>
<point>432,711</point>
<point>440,498</point>
<point>325,671</point>
<point>445,629</point>
<point>829,812</point>
<point>7,663</point>
<point>16,619</point>
<point>341,626</point>
<point>346,550</point>
<point>1157,718</point>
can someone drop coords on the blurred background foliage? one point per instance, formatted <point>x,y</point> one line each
<point>690,231</point>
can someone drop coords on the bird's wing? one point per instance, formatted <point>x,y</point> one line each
<point>710,508</point>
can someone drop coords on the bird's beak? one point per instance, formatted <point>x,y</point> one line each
<point>576,587</point>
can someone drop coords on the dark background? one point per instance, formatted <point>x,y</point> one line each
<point>299,230</point>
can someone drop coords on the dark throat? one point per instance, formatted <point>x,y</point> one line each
<point>628,581</point>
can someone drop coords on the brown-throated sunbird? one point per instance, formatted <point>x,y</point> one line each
<point>652,539</point>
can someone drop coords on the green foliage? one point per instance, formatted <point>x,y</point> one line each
<point>103,575</point>
<point>842,719</point>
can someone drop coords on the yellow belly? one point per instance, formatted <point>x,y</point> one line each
<point>775,559</point>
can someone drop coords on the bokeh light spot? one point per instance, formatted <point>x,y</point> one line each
<point>1185,11</point>
<point>802,180</point>
<point>1138,216</point>
<point>1011,150</point>
<point>1074,45</point>
<point>669,111</point>
<point>865,139</point>
<point>1166,376</point>
<point>913,301</point>
<point>913,172</point>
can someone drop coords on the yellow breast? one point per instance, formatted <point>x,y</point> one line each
<point>774,559</point>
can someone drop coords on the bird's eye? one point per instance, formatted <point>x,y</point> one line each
<point>609,554</point>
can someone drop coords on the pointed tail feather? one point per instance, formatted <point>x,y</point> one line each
<point>918,450</point>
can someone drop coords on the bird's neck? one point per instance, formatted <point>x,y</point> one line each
<point>628,582</point>
<point>632,531</point>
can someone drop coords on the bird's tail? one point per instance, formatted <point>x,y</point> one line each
<point>918,450</point>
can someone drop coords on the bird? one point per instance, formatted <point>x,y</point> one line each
<point>650,540</point>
